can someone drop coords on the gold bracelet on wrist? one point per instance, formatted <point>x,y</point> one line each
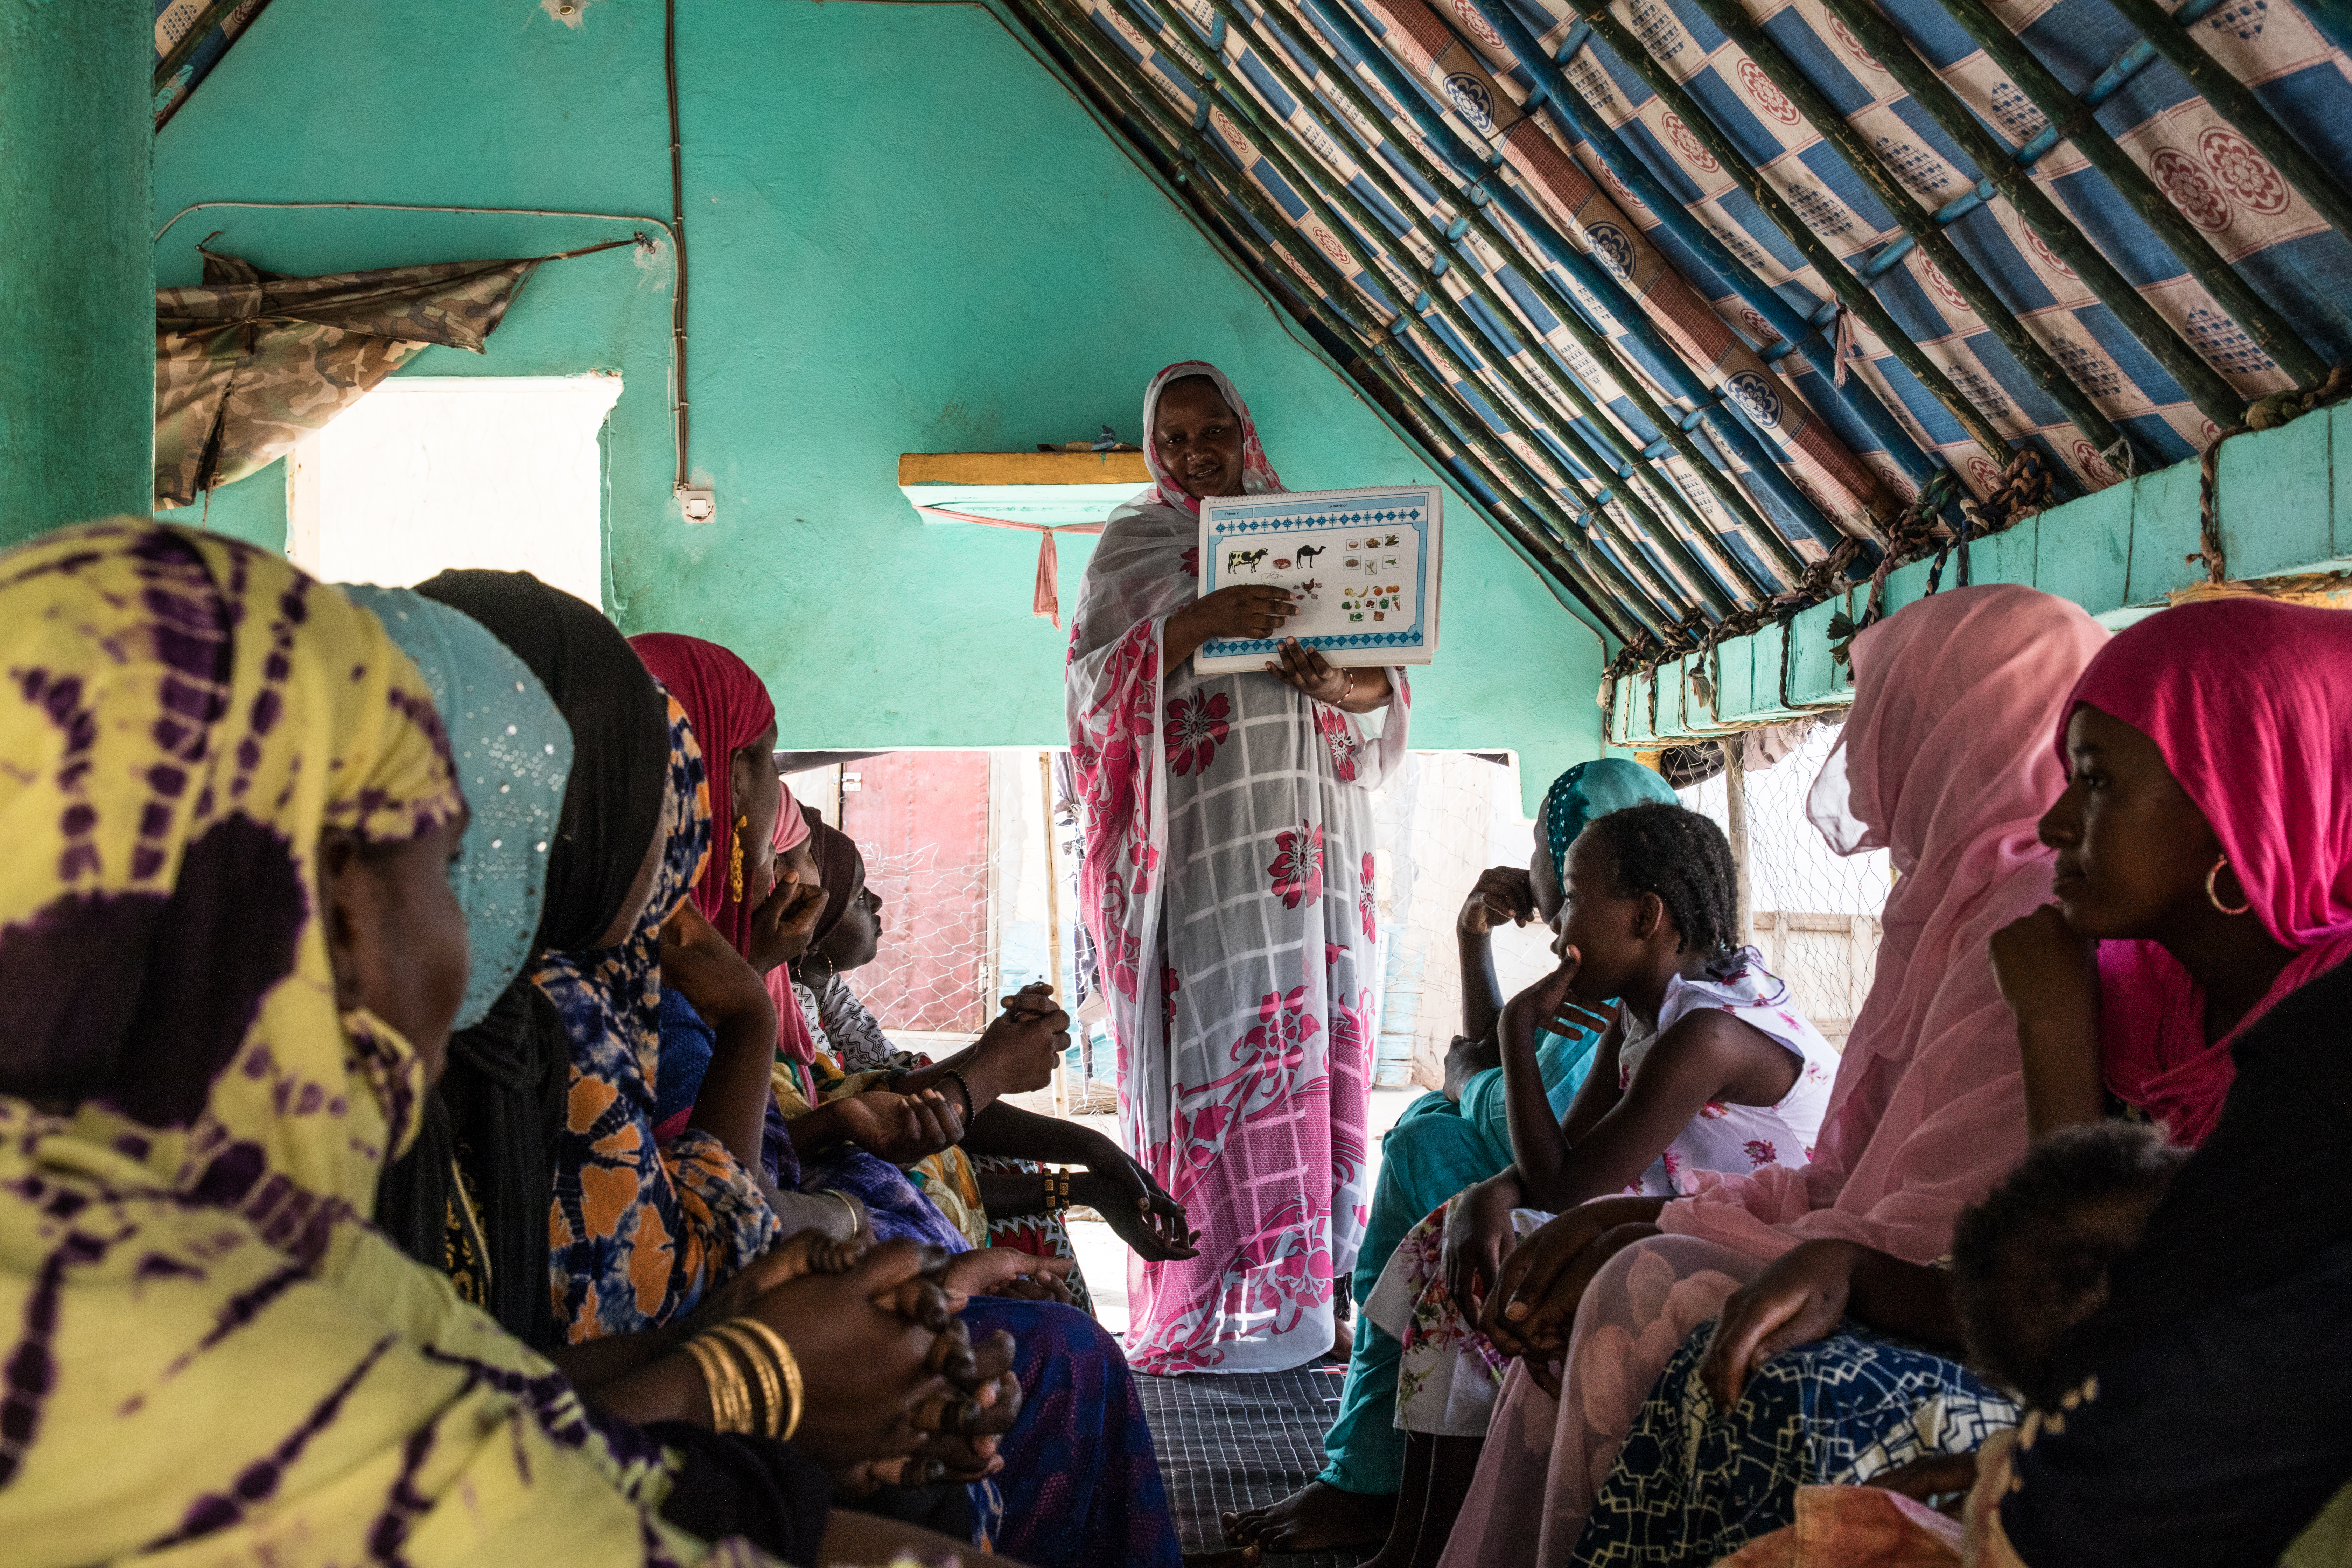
<point>723,1385</point>
<point>857,1221</point>
<point>771,1414</point>
<point>787,1366</point>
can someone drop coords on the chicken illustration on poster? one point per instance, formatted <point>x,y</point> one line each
<point>1362,564</point>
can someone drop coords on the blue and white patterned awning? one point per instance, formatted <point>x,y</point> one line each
<point>1606,264</point>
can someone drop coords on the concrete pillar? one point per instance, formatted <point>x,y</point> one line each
<point>77,270</point>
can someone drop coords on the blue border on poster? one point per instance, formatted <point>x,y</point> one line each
<point>1419,507</point>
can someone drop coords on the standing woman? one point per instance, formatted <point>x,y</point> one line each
<point>1228,883</point>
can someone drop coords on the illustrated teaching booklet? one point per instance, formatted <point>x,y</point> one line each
<point>1362,564</point>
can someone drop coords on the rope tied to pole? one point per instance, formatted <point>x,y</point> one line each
<point>1842,344</point>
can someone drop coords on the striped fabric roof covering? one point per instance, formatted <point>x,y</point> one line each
<point>1691,293</point>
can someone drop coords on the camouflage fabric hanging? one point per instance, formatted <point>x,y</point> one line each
<point>249,362</point>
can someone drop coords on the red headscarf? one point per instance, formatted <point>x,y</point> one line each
<point>730,708</point>
<point>2245,698</point>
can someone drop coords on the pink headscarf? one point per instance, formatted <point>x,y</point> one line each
<point>791,828</point>
<point>2245,698</point>
<point>793,1036</point>
<point>1258,477</point>
<point>1941,764</point>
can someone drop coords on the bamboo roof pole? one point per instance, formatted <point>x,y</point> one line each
<point>1721,417</point>
<point>1851,290</point>
<point>2236,103</point>
<point>2077,122</point>
<point>2213,397</point>
<point>1917,222</point>
<point>1576,120</point>
<point>1629,459</point>
<point>1672,426</point>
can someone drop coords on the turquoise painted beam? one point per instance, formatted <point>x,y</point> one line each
<point>78,288</point>
<point>2285,511</point>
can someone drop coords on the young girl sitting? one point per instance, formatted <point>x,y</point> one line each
<point>1706,1065</point>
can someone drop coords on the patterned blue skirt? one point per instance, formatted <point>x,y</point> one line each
<point>1081,1480</point>
<point>1694,1483</point>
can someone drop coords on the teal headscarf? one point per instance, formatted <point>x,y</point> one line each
<point>1586,790</point>
<point>513,753</point>
<point>1594,789</point>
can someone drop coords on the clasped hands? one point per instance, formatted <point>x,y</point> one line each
<point>896,1393</point>
<point>1018,1051</point>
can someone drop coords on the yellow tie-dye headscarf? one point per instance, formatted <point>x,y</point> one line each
<point>206,1355</point>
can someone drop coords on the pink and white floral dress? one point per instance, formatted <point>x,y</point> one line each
<point>1228,885</point>
<point>1450,1375</point>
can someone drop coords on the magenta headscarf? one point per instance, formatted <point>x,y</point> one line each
<point>1258,477</point>
<point>1941,763</point>
<point>2246,699</point>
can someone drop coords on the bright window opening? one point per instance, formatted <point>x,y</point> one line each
<point>430,472</point>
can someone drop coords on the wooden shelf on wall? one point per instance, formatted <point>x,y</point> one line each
<point>975,469</point>
<point>1024,489</point>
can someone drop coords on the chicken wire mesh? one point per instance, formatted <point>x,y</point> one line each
<point>975,855</point>
<point>1813,914</point>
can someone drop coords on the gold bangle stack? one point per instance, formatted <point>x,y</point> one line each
<point>1057,1191</point>
<point>723,1383</point>
<point>732,1357</point>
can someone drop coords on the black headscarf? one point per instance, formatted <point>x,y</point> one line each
<point>620,741</point>
<point>499,1107</point>
<point>840,872</point>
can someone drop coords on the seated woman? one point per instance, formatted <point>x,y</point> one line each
<point>1943,764</point>
<point>1706,1065</point>
<point>2176,1328</point>
<point>1003,1182</point>
<point>1079,1476</point>
<point>1443,1143</point>
<point>228,786</point>
<point>642,1229</point>
<point>2205,1411</point>
<point>470,1199</point>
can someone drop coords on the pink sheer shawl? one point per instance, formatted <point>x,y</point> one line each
<point>1942,764</point>
<point>2246,697</point>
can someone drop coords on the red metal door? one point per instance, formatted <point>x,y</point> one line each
<point>920,818</point>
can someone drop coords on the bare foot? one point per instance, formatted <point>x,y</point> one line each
<point>1316,1517</point>
<point>1343,1341</point>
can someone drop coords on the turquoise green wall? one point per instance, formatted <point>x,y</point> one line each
<point>2283,507</point>
<point>77,368</point>
<point>904,234</point>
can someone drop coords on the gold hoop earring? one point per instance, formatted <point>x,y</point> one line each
<point>735,859</point>
<point>2213,896</point>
